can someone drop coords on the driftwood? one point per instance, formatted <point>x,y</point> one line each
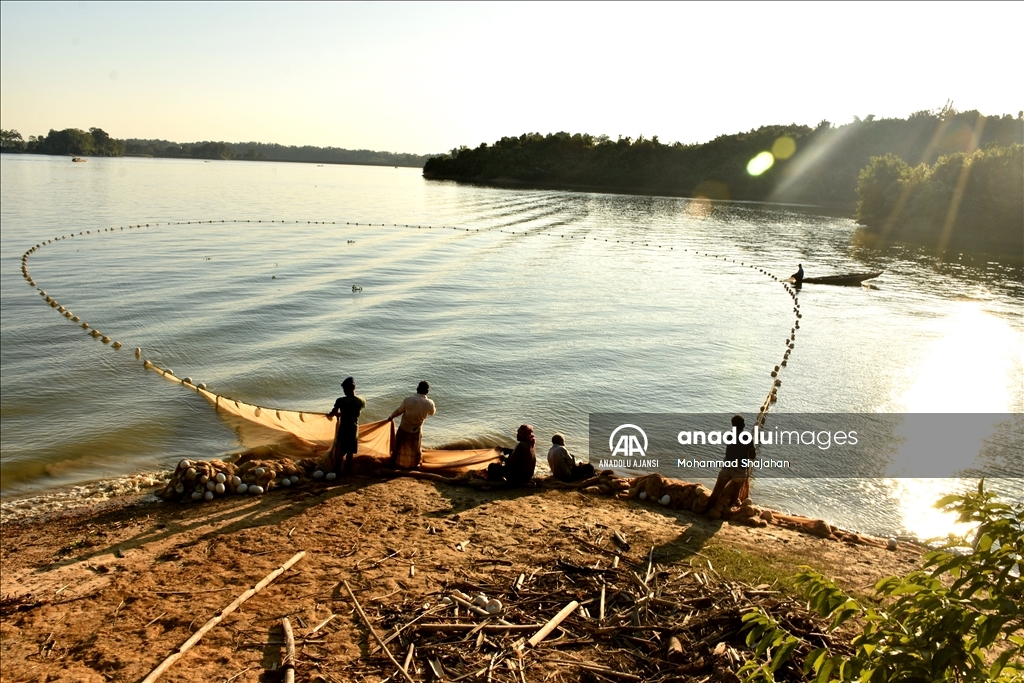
<point>197,636</point>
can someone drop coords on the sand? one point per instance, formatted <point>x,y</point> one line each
<point>105,594</point>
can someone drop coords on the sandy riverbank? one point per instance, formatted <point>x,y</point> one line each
<point>106,594</point>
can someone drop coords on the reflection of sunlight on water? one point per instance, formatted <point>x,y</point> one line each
<point>916,499</point>
<point>971,369</point>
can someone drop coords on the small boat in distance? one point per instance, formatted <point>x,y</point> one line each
<point>847,280</point>
<point>79,159</point>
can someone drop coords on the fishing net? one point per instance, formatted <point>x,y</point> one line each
<point>271,433</point>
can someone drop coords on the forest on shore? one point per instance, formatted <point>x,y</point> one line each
<point>944,178</point>
<point>96,142</point>
<point>963,201</point>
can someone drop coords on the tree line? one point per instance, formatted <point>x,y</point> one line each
<point>964,200</point>
<point>819,165</point>
<point>96,142</point>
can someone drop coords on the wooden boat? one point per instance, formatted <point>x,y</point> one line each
<point>847,280</point>
<point>78,159</point>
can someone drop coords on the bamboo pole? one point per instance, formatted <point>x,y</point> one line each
<point>289,651</point>
<point>546,630</point>
<point>198,635</point>
<point>369,625</point>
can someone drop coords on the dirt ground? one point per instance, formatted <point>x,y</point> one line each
<point>107,594</point>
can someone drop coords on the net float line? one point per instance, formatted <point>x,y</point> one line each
<point>770,399</point>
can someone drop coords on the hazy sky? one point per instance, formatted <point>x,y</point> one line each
<point>429,77</point>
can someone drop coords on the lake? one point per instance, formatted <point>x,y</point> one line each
<point>517,305</point>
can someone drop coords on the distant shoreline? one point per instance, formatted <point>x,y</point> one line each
<point>262,161</point>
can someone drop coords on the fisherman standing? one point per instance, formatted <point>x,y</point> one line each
<point>346,438</point>
<point>733,483</point>
<point>407,451</point>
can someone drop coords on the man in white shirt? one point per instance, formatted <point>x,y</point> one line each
<point>407,451</point>
<point>563,466</point>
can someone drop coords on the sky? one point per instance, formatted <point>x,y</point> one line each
<point>425,78</point>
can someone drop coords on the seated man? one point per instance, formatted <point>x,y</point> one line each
<point>798,276</point>
<point>563,466</point>
<point>518,465</point>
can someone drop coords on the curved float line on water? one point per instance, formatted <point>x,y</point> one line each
<point>771,397</point>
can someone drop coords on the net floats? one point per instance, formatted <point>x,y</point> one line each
<point>198,480</point>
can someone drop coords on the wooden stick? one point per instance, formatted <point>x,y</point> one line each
<point>408,658</point>
<point>546,630</point>
<point>197,636</point>
<point>154,620</point>
<point>321,625</point>
<point>228,680</point>
<point>289,651</point>
<point>479,611</point>
<point>601,613</point>
<point>369,625</point>
<point>397,631</point>
<point>212,590</point>
<point>490,628</point>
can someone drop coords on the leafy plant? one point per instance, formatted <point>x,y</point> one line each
<point>958,618</point>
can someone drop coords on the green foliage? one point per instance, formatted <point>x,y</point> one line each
<point>11,141</point>
<point>963,200</point>
<point>767,639</point>
<point>824,169</point>
<point>959,618</point>
<point>95,142</point>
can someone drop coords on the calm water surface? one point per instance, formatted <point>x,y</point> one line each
<point>529,316</point>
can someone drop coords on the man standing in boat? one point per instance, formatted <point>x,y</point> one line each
<point>407,450</point>
<point>346,439</point>
<point>798,276</point>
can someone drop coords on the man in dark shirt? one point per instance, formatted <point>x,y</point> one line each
<point>346,439</point>
<point>733,484</point>
<point>517,466</point>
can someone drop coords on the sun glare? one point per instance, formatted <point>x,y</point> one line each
<point>972,368</point>
<point>761,163</point>
<point>784,147</point>
<point>917,507</point>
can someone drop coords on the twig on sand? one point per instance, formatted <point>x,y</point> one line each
<point>228,680</point>
<point>211,590</point>
<point>156,619</point>
<point>369,625</point>
<point>321,625</point>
